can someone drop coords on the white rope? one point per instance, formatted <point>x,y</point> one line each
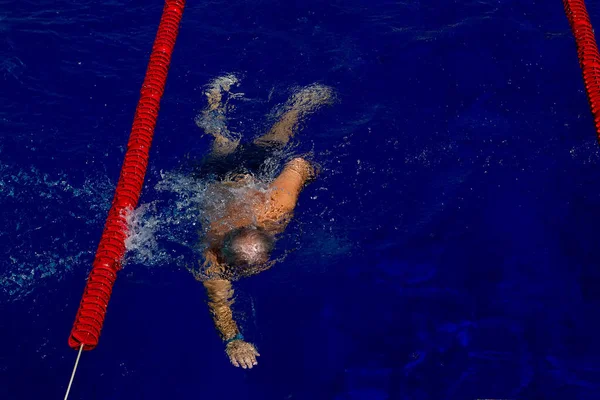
<point>73,374</point>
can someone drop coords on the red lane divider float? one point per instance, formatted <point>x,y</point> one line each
<point>92,310</point>
<point>587,51</point>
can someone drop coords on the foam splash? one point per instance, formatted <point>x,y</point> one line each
<point>165,231</point>
<point>141,236</point>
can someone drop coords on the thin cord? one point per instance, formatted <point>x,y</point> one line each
<point>74,369</point>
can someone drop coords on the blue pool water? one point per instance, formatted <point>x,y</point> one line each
<point>448,249</point>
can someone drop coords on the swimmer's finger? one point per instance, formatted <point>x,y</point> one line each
<point>243,362</point>
<point>234,362</point>
<point>253,359</point>
<point>250,360</point>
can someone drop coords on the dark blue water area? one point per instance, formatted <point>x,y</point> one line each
<point>448,249</point>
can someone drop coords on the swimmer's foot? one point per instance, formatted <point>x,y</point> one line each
<point>213,118</point>
<point>310,98</point>
<point>223,146</point>
<point>216,89</point>
<point>242,354</point>
<point>303,103</point>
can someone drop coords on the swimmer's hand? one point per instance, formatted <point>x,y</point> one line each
<point>242,354</point>
<point>304,168</point>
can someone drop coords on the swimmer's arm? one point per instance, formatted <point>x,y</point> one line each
<point>285,189</point>
<point>220,295</point>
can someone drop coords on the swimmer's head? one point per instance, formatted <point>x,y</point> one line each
<point>247,246</point>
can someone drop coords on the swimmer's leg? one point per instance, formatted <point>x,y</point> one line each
<point>300,105</point>
<point>212,118</point>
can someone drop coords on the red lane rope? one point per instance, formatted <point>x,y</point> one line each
<point>92,309</point>
<point>587,51</point>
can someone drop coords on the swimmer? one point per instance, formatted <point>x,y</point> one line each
<point>239,240</point>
